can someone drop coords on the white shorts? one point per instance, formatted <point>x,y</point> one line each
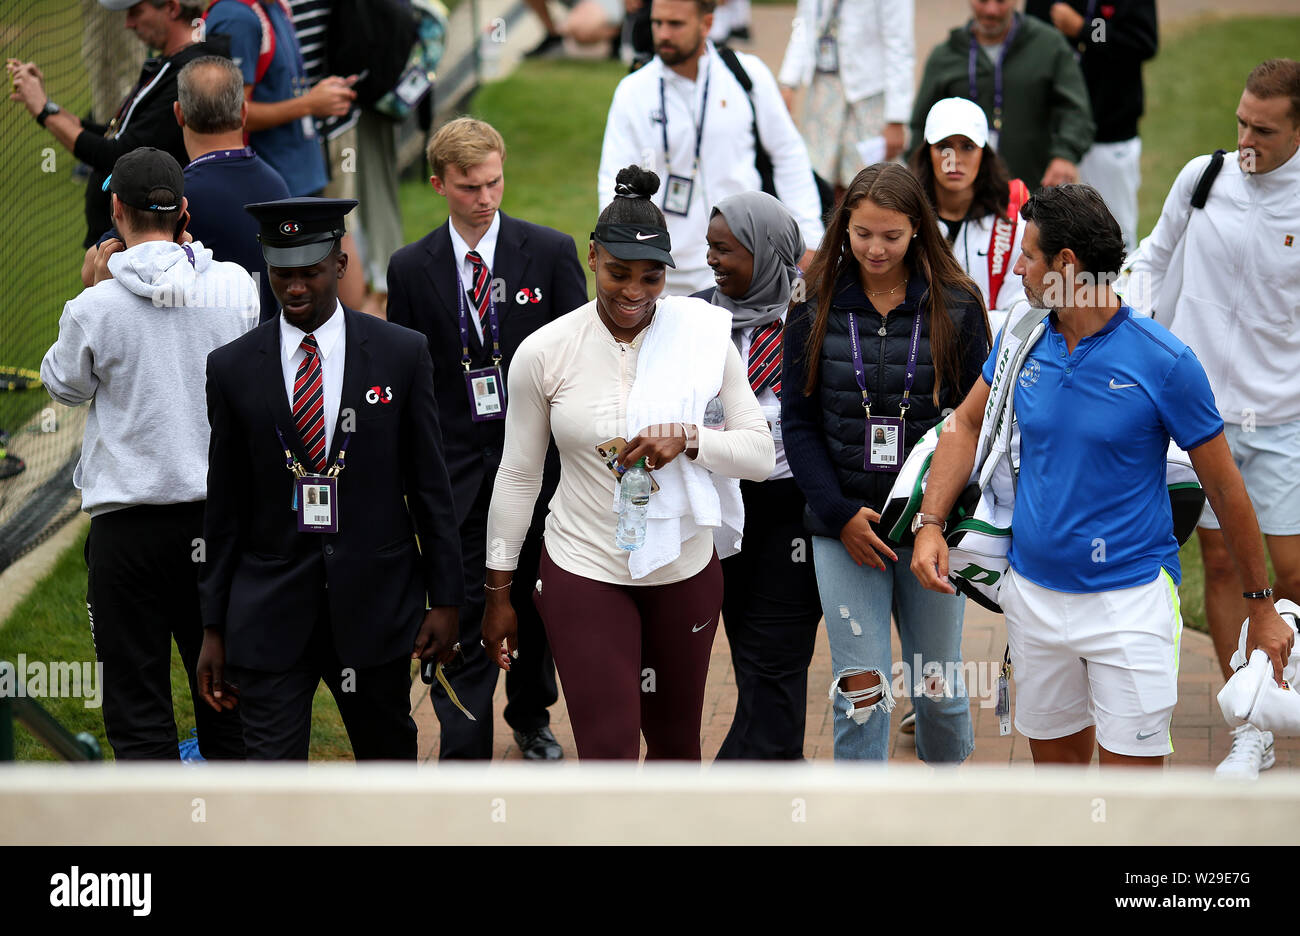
<point>1108,659</point>
<point>1267,459</point>
<point>1115,170</point>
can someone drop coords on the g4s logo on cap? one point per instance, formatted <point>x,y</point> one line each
<point>379,395</point>
<point>289,227</point>
<point>529,295</point>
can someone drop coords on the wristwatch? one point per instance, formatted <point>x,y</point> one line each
<point>921,519</point>
<point>692,439</point>
<point>1266,593</point>
<point>44,113</point>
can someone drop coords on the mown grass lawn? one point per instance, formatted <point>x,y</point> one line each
<point>40,256</point>
<point>552,115</point>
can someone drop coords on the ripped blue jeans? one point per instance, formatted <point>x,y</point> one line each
<point>857,602</point>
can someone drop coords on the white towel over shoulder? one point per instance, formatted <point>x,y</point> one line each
<point>679,370</point>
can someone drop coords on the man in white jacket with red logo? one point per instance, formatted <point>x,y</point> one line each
<point>686,116</point>
<point>1226,280</point>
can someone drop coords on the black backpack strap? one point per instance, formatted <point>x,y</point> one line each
<point>732,61</point>
<point>762,160</point>
<point>1203,184</point>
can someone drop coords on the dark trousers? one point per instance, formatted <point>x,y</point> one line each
<point>633,659</point>
<point>770,608</point>
<point>142,592</point>
<point>530,684</point>
<point>374,702</point>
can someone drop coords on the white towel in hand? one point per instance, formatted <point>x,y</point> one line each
<point>1252,696</point>
<point>678,371</point>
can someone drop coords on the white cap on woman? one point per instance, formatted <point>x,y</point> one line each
<point>956,116</point>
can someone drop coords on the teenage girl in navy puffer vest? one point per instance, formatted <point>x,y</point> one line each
<point>892,338</point>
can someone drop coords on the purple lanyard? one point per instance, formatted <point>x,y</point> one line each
<point>221,154</point>
<point>860,370</point>
<point>997,71</point>
<point>464,322</point>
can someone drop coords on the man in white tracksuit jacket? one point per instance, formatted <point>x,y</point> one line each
<point>1226,280</point>
<point>709,130</point>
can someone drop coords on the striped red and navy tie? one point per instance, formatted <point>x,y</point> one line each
<point>479,292</point>
<point>309,405</point>
<point>765,358</point>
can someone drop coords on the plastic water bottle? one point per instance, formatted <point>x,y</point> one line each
<point>715,416</point>
<point>633,505</point>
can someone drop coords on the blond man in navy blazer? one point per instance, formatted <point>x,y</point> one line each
<point>534,278</point>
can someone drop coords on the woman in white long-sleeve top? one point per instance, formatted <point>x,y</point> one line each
<point>631,632</point>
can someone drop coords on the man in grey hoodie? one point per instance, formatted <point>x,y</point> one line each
<point>135,346</point>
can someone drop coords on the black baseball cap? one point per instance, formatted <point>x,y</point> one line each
<point>635,242</point>
<point>299,232</point>
<point>143,173</point>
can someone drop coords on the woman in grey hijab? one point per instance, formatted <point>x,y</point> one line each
<point>754,246</point>
<point>770,604</point>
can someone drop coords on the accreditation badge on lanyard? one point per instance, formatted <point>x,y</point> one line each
<point>884,434</point>
<point>828,55</point>
<point>995,125</point>
<point>485,386</point>
<point>680,190</point>
<point>315,496</point>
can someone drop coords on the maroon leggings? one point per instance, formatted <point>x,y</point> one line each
<point>632,659</point>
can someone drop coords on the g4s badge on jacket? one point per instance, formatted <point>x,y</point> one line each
<point>379,395</point>
<point>526,295</point>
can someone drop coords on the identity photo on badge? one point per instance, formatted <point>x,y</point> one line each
<point>884,443</point>
<point>677,198</point>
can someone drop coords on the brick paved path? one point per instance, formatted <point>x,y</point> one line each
<point>1200,736</point>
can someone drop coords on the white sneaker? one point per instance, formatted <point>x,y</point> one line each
<point>1251,752</point>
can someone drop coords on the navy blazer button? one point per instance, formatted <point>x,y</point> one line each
<point>329,550</point>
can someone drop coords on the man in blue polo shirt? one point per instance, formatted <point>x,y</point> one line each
<point>1091,598</point>
<point>224,175</point>
<point>281,105</point>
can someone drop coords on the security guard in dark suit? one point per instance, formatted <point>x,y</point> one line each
<point>476,287</point>
<point>325,464</point>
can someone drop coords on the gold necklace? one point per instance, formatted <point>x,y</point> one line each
<point>886,292</point>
